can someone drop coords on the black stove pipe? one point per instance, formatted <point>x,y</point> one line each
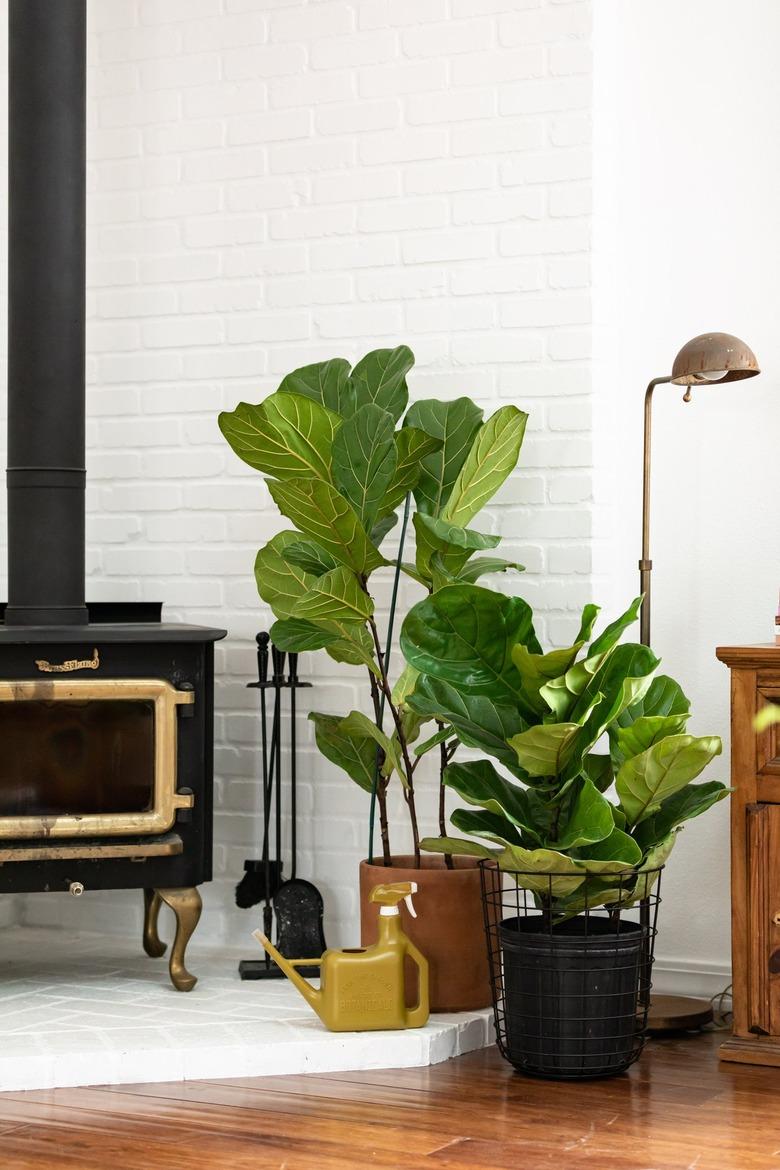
<point>46,311</point>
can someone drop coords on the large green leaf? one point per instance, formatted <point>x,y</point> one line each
<point>355,754</point>
<point>454,544</point>
<point>561,694</point>
<point>545,749</point>
<point>482,823</point>
<point>464,634</point>
<point>322,513</point>
<point>645,731</point>
<point>663,697</point>
<point>326,382</point>
<point>335,597</point>
<point>544,871</point>
<point>455,424</point>
<point>380,378</point>
<point>691,801</point>
<point>457,847</point>
<point>537,670</point>
<point>615,852</point>
<point>492,457</point>
<point>357,724</point>
<point>353,646</point>
<point>478,782</point>
<point>479,721</point>
<point>412,445</point>
<point>287,436</point>
<point>310,556</point>
<point>479,566</point>
<point>364,460</point>
<point>295,636</point>
<point>279,582</point>
<point>614,631</point>
<point>589,819</point>
<point>646,780</point>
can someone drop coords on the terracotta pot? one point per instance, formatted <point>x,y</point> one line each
<point>449,928</point>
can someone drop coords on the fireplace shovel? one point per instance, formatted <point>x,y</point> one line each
<point>297,903</point>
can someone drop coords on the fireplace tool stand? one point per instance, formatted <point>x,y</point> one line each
<point>296,904</point>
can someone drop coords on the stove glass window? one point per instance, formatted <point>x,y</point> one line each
<point>76,757</point>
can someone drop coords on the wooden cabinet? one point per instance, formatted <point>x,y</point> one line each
<point>755,857</point>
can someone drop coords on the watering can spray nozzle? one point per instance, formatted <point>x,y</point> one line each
<point>389,895</point>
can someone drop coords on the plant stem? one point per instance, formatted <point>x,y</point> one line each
<point>443,761</point>
<point>381,781</point>
<point>408,766</point>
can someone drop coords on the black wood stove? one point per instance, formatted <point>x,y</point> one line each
<point>106,712</point>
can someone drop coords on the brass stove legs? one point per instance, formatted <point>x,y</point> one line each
<point>186,905</point>
<point>153,944</point>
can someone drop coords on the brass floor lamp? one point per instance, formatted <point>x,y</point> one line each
<point>707,360</point>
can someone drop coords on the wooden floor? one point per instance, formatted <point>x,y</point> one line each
<point>677,1109</point>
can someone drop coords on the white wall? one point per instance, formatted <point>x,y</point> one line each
<point>688,240</point>
<point>275,182</point>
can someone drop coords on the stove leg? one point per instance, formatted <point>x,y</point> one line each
<point>186,905</point>
<point>153,944</point>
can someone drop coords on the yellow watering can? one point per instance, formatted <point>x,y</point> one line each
<point>362,989</point>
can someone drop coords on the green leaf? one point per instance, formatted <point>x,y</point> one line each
<point>544,750</point>
<point>280,583</point>
<point>656,857</point>
<point>357,724</point>
<point>326,382</point>
<point>457,847</point>
<point>614,631</point>
<point>453,543</point>
<point>645,731</point>
<point>478,783</point>
<point>464,634</point>
<point>664,697</point>
<point>589,819</point>
<point>286,436</point>
<point>354,646</point>
<point>322,513</point>
<point>650,778</point>
<point>536,670</point>
<point>455,424</point>
<point>355,754</point>
<point>558,874</point>
<point>492,457</point>
<point>405,684</point>
<point>412,445</point>
<point>477,567</point>
<point>364,460</point>
<point>310,557</point>
<point>689,802</point>
<point>382,527</point>
<point>478,720</point>
<point>589,614</point>
<point>380,378</point>
<point>441,736</point>
<point>335,597</point>
<point>614,853</point>
<point>599,769</point>
<point>295,636</point>
<point>481,823</point>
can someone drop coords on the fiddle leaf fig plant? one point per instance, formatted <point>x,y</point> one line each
<point>341,454</point>
<point>541,717</point>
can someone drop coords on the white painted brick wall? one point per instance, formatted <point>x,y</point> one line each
<point>273,182</point>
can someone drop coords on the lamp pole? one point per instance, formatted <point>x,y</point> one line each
<point>645,563</point>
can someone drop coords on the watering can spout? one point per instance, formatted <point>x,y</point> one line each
<point>312,996</point>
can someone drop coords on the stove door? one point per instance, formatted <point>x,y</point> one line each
<point>89,758</point>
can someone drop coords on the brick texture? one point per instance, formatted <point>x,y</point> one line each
<point>273,182</point>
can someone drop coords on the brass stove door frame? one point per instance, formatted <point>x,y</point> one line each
<point>167,800</point>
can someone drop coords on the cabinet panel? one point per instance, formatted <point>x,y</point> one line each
<point>763,935</point>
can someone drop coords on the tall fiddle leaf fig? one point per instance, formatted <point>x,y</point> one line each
<point>341,453</point>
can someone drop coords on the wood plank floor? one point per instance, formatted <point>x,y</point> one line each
<point>678,1109</point>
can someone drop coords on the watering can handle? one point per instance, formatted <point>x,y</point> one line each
<point>417,1016</point>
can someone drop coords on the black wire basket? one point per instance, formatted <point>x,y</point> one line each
<point>571,975</point>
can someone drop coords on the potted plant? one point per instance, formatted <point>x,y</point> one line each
<point>343,453</point>
<point>539,804</point>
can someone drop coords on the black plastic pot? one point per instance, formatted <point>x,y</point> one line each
<point>571,995</point>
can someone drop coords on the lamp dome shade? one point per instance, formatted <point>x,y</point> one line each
<point>713,358</point>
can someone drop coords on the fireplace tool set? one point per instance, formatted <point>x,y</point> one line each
<point>296,904</point>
